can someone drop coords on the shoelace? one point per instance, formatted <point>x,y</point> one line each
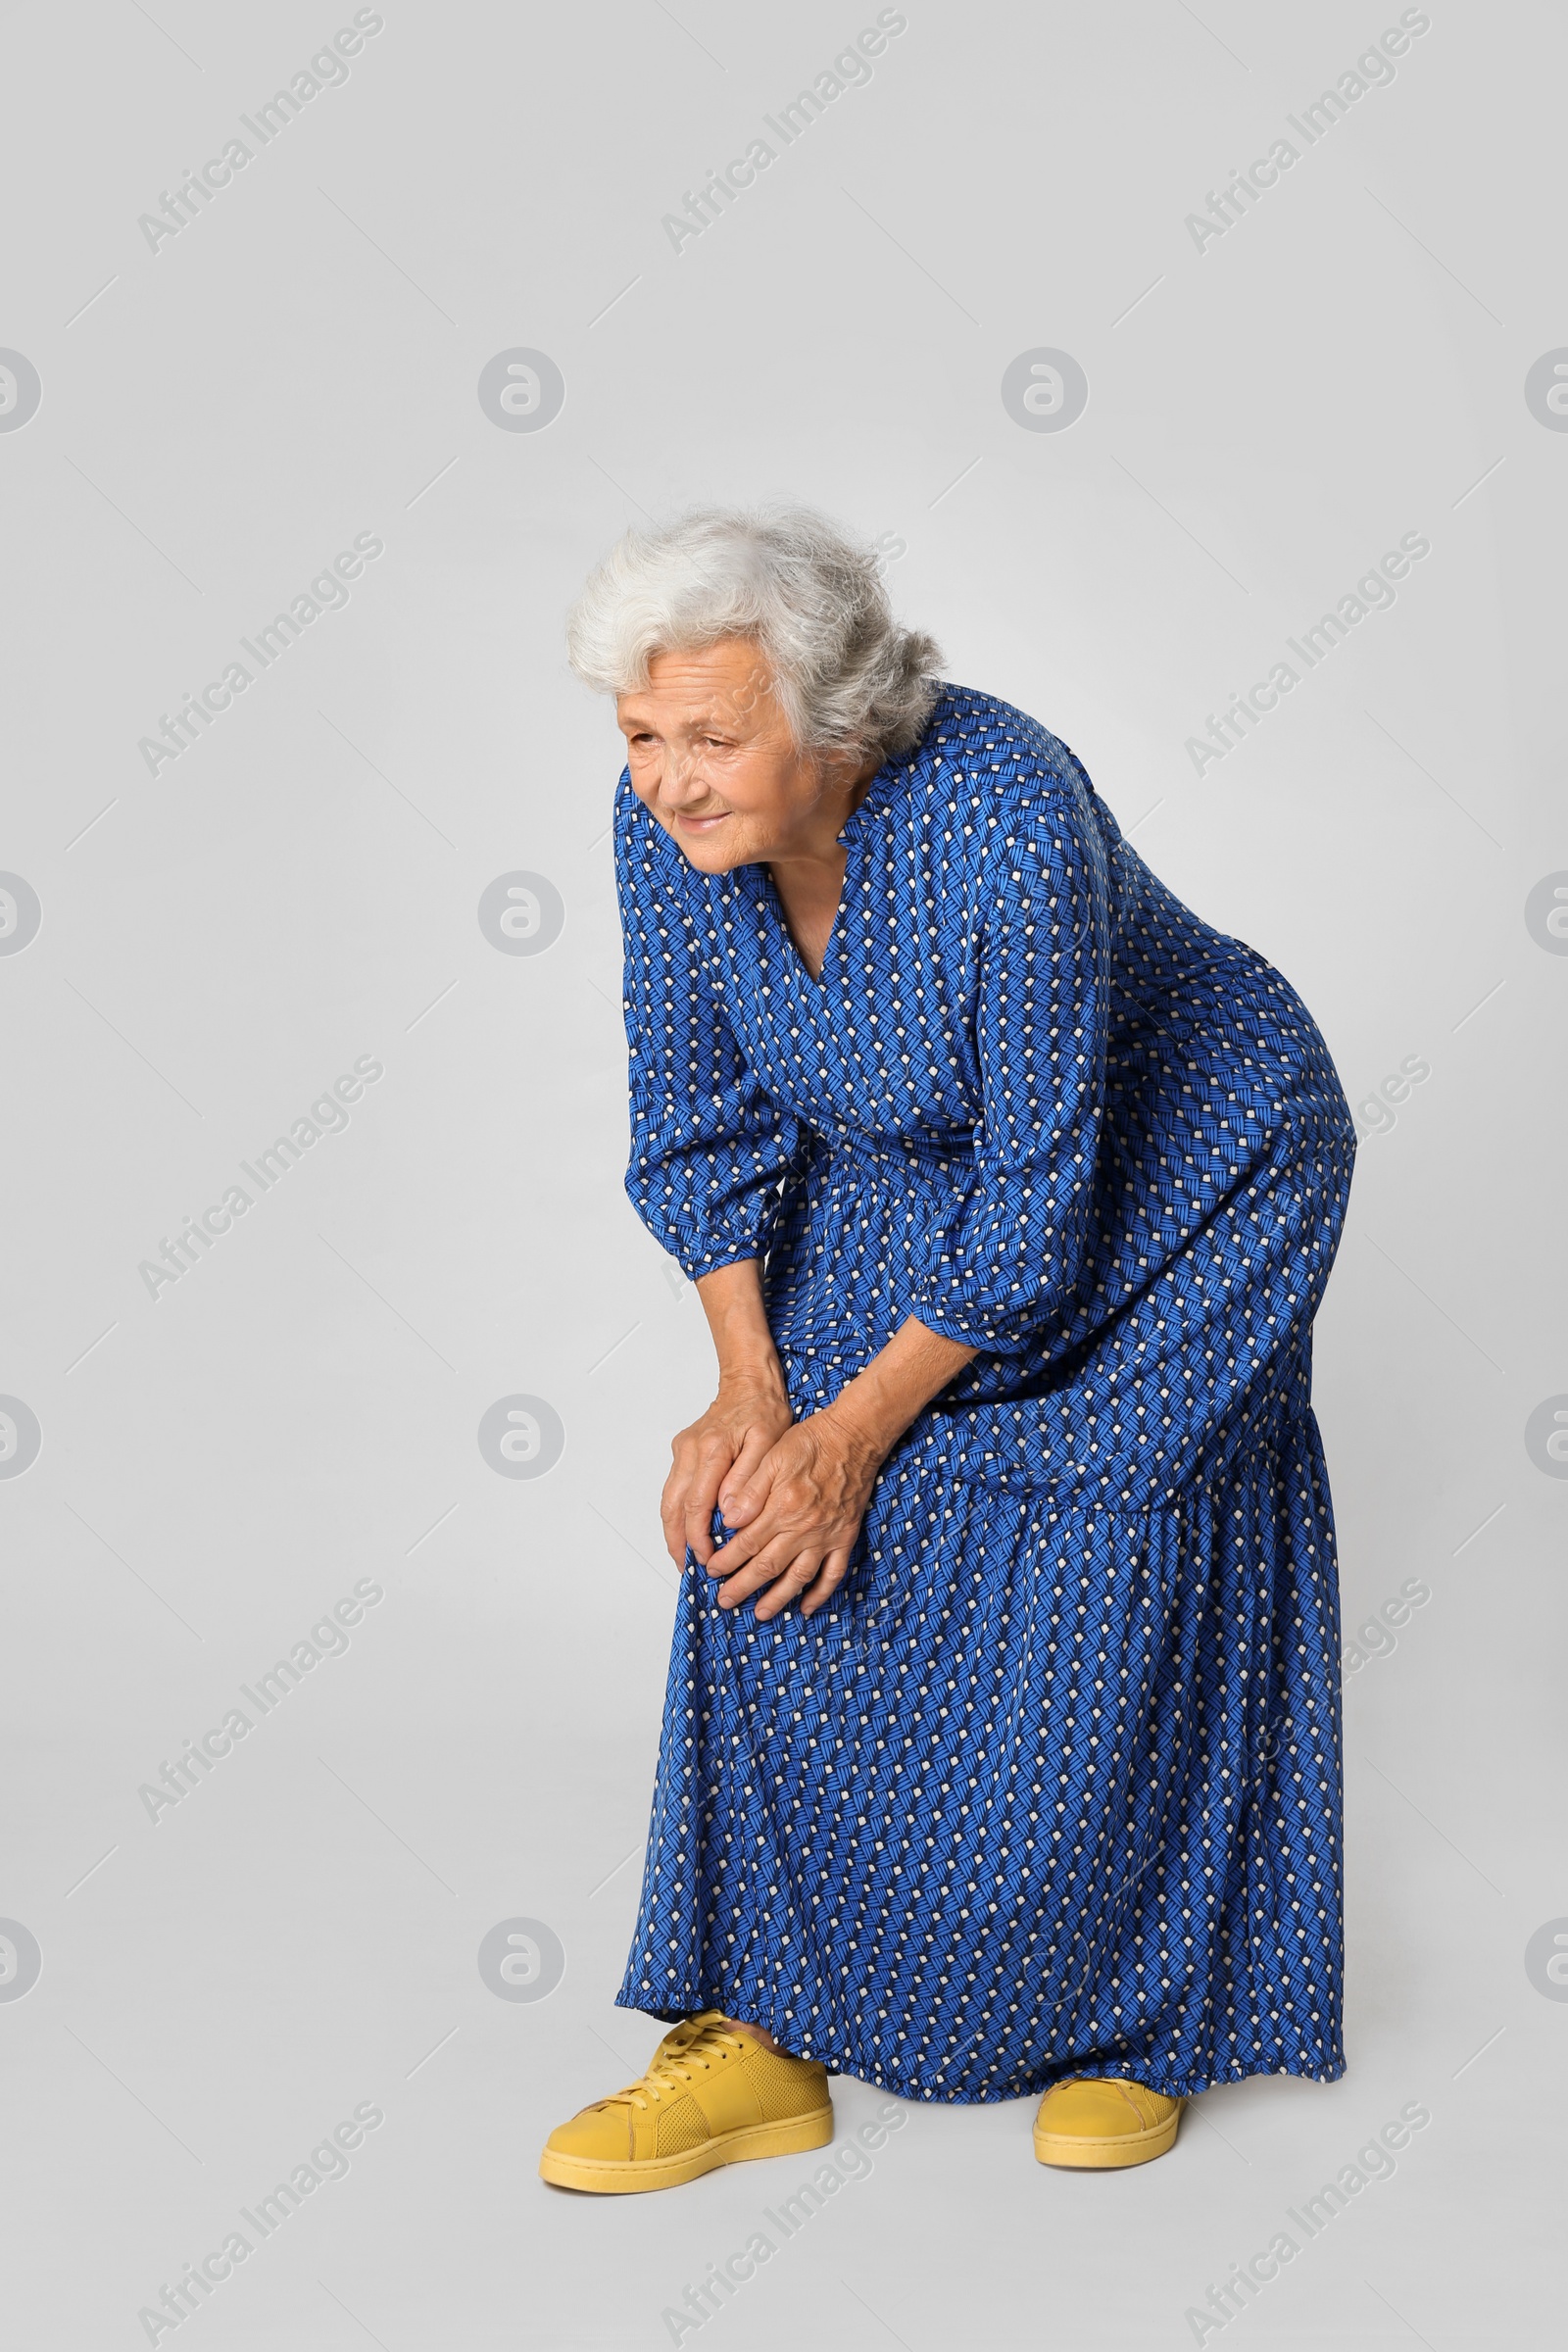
<point>698,2038</point>
<point>1129,2087</point>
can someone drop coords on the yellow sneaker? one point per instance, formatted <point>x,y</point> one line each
<point>712,2095</point>
<point>1102,2125</point>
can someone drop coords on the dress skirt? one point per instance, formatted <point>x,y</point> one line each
<point>1050,1789</point>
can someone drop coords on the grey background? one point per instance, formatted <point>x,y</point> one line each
<point>301,887</point>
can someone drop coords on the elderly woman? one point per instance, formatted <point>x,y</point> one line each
<point>1000,1753</point>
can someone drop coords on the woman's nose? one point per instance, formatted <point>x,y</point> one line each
<point>680,782</point>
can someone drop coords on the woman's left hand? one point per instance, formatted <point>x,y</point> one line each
<point>796,1517</point>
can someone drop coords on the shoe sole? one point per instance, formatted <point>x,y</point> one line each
<point>1110,2154</point>
<point>606,2177</point>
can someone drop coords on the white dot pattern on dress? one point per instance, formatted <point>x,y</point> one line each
<point>1053,1786</point>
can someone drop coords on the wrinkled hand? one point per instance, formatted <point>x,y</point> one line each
<point>798,1514</point>
<point>720,1450</point>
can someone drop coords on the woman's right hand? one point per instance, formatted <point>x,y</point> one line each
<point>718,1452</point>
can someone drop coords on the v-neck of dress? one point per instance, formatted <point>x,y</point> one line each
<point>775,896</point>
<point>890,780</point>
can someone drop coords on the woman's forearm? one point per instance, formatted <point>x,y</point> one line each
<point>732,1302</point>
<point>879,1404</point>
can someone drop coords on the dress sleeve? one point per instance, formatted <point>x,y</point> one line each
<point>1011,1249</point>
<point>709,1147</point>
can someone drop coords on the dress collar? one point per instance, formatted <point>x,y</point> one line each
<point>888,785</point>
<point>893,780</point>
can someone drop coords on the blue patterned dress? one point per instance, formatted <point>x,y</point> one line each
<point>1053,1786</point>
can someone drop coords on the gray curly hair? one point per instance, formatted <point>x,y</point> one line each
<point>846,676</point>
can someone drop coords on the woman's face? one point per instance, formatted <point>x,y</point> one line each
<point>712,761</point>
